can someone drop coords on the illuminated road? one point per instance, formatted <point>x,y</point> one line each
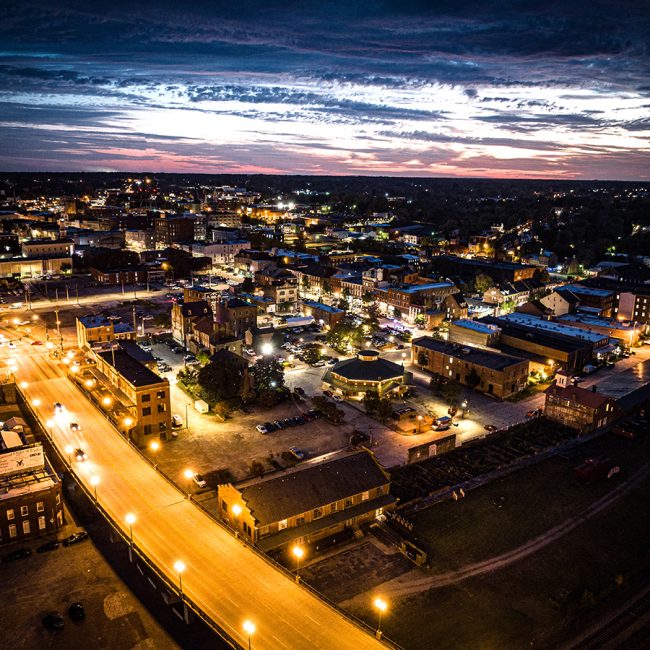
<point>225,579</point>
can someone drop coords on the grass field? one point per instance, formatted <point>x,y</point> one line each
<point>547,595</point>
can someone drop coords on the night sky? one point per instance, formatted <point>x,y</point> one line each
<point>521,89</point>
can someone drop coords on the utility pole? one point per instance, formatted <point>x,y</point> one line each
<point>58,327</point>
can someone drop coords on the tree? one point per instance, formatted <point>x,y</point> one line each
<point>247,286</point>
<point>420,320</point>
<point>344,335</point>
<point>312,354</point>
<point>371,401</point>
<point>483,282</point>
<point>542,276</point>
<point>384,409</point>
<point>268,375</point>
<point>327,288</point>
<point>451,392</point>
<point>220,381</point>
<point>256,469</point>
<point>162,320</point>
<point>203,357</point>
<point>423,359</point>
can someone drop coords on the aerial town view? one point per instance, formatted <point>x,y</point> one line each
<point>325,325</point>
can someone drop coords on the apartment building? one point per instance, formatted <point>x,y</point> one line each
<point>491,372</point>
<point>142,392</point>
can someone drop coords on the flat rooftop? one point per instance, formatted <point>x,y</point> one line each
<point>480,357</point>
<point>540,324</point>
<point>131,369</point>
<point>587,291</point>
<point>468,323</point>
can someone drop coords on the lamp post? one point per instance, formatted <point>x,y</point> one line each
<point>94,481</point>
<point>154,446</point>
<point>298,553</point>
<point>236,511</point>
<point>381,606</point>
<point>464,407</point>
<point>189,475</point>
<point>179,567</point>
<point>130,519</point>
<point>68,450</point>
<point>419,423</point>
<point>249,628</point>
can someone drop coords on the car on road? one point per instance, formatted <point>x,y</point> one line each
<point>261,428</point>
<point>48,546</point>
<point>490,427</point>
<point>177,420</point>
<point>297,453</point>
<point>199,480</point>
<point>36,343</point>
<point>74,426</point>
<point>53,621</point>
<point>75,538</point>
<point>17,554</point>
<point>337,398</point>
<point>77,612</point>
<point>58,407</point>
<point>80,455</point>
<point>328,393</point>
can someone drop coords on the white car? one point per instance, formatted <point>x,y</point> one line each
<point>177,421</point>
<point>261,428</point>
<point>199,480</point>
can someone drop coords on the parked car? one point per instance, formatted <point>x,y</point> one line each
<point>297,453</point>
<point>80,455</point>
<point>328,393</point>
<point>77,612</point>
<point>48,546</point>
<point>17,554</point>
<point>262,428</point>
<point>53,621</point>
<point>76,538</point>
<point>535,413</point>
<point>594,469</point>
<point>199,480</point>
<point>177,420</point>
<point>279,424</point>
<point>337,398</point>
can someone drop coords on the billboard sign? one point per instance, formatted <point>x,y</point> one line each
<point>25,459</point>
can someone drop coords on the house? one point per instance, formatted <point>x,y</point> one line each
<point>182,314</point>
<point>280,285</point>
<point>487,371</point>
<point>367,372</point>
<point>94,329</point>
<point>308,502</point>
<point>322,313</point>
<point>578,408</point>
<point>561,301</point>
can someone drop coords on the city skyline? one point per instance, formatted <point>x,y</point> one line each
<point>478,90</point>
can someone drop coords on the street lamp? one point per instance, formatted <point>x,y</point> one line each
<point>154,446</point>
<point>68,450</point>
<point>298,553</point>
<point>94,481</point>
<point>189,475</point>
<point>267,349</point>
<point>381,606</point>
<point>179,567</point>
<point>128,422</point>
<point>249,628</point>
<point>23,385</point>
<point>419,423</point>
<point>36,402</point>
<point>236,511</point>
<point>130,519</point>
<point>107,401</point>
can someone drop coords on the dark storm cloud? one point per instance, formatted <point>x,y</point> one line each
<point>84,63</point>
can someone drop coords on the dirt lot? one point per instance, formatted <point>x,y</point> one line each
<point>546,596</point>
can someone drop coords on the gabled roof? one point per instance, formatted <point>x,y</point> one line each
<point>311,486</point>
<point>578,395</point>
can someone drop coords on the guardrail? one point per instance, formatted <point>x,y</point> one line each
<point>114,524</point>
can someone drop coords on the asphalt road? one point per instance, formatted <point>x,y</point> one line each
<point>224,578</point>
